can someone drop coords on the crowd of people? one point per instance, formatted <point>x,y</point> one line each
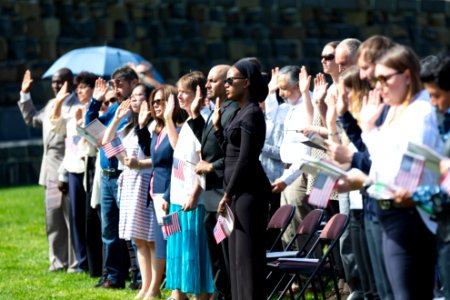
<point>241,130</point>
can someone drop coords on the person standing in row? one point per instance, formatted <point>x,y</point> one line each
<point>247,188</point>
<point>212,166</point>
<point>61,251</point>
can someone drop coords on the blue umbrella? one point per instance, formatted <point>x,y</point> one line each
<point>101,61</point>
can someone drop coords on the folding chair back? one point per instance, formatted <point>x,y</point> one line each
<point>320,269</point>
<point>279,222</point>
<point>307,229</point>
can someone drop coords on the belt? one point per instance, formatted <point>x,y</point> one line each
<point>110,172</point>
<point>287,166</point>
<point>387,204</point>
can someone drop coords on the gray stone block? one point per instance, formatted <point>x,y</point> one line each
<point>435,6</point>
<point>384,5</point>
<point>408,5</point>
<point>217,14</point>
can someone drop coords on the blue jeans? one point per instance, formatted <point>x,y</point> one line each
<point>444,265</point>
<point>113,259</point>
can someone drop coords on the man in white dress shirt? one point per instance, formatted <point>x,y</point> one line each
<point>292,184</point>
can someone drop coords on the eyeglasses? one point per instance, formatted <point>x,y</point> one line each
<point>382,79</point>
<point>157,102</point>
<point>230,80</point>
<point>328,57</point>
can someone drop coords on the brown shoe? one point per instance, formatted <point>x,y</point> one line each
<point>108,284</point>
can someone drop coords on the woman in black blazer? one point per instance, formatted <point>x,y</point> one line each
<point>247,188</point>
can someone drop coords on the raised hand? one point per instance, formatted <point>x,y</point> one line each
<point>26,82</point>
<point>170,106</point>
<point>215,118</point>
<point>62,94</point>
<point>197,103</point>
<point>144,114</point>
<point>273,84</point>
<point>342,100</point>
<point>123,109</point>
<point>304,80</point>
<point>371,110</point>
<point>100,89</point>
<point>444,166</point>
<point>320,88</point>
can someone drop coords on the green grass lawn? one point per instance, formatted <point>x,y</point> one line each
<point>24,254</point>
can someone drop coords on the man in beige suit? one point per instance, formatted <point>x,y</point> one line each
<point>61,253</point>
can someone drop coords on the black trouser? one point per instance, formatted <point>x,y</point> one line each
<point>247,256</point>
<point>362,257</point>
<point>218,254</point>
<point>409,250</point>
<point>94,245</point>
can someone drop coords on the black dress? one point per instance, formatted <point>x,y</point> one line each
<point>246,182</point>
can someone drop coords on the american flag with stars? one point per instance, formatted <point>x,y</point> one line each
<point>113,148</point>
<point>322,189</point>
<point>410,173</point>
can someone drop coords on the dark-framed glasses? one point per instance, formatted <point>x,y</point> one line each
<point>157,102</point>
<point>328,57</point>
<point>230,80</point>
<point>382,79</point>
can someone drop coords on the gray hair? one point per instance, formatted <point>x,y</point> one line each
<point>352,46</point>
<point>292,71</point>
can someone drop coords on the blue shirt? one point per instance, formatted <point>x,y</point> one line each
<point>92,114</point>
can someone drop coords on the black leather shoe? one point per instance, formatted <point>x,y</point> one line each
<point>100,282</point>
<point>109,284</point>
<point>134,285</point>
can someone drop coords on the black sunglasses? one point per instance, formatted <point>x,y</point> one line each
<point>157,101</point>
<point>230,80</point>
<point>382,79</point>
<point>328,57</point>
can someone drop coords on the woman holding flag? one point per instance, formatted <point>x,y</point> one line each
<point>247,188</point>
<point>136,219</point>
<point>188,264</point>
<point>408,233</point>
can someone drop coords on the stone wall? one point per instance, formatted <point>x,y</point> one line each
<point>182,35</point>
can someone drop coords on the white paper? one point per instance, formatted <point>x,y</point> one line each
<point>157,205</point>
<point>93,132</point>
<point>278,254</point>
<point>314,166</point>
<point>313,140</point>
<point>228,224</point>
<point>432,158</point>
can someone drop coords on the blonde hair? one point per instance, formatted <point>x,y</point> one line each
<point>360,88</point>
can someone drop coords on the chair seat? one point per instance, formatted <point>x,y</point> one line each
<point>278,254</point>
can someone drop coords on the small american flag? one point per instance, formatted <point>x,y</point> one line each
<point>113,148</point>
<point>178,168</point>
<point>445,182</point>
<point>322,190</point>
<point>219,233</point>
<point>72,144</point>
<point>410,173</point>
<point>171,224</point>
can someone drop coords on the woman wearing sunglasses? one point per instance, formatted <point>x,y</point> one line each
<point>247,189</point>
<point>408,240</point>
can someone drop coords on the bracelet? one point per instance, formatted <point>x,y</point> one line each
<point>139,165</point>
<point>332,134</point>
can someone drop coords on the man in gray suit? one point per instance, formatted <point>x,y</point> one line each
<point>61,253</point>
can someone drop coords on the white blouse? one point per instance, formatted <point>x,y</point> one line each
<point>416,123</point>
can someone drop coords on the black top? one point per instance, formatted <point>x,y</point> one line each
<point>211,150</point>
<point>242,142</point>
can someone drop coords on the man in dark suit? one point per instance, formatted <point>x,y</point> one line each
<point>61,252</point>
<point>212,167</point>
